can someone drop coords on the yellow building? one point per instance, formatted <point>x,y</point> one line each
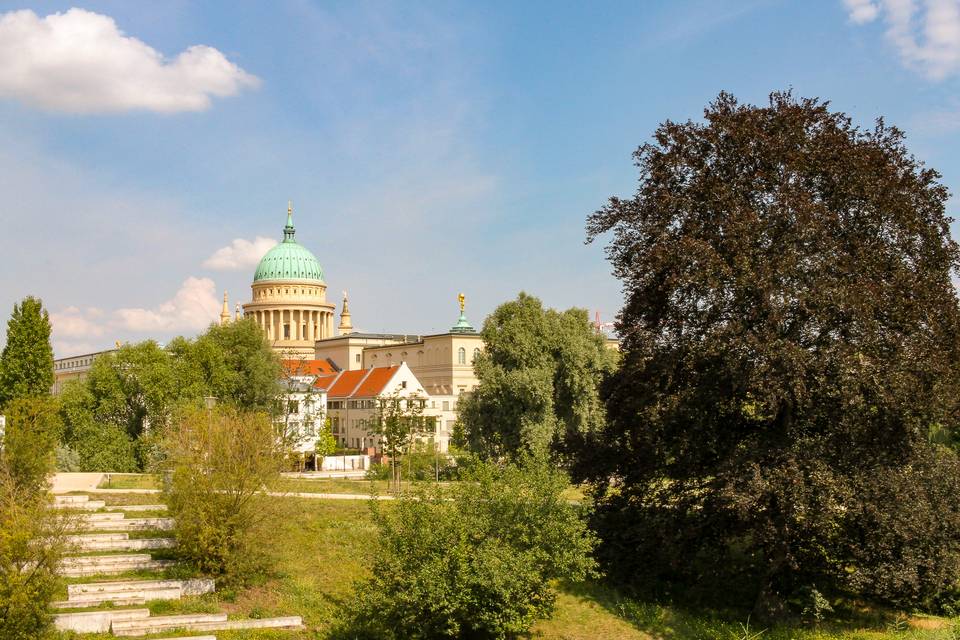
<point>290,296</point>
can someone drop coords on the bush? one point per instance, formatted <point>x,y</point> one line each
<point>68,460</point>
<point>378,471</point>
<point>31,534</point>
<point>479,565</point>
<point>103,447</point>
<point>223,462</point>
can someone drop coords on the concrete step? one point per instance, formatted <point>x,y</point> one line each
<point>100,517</point>
<point>88,505</point>
<point>143,627</point>
<point>137,507</point>
<point>70,499</point>
<point>157,624</point>
<point>145,589</point>
<point>190,638</point>
<point>99,602</point>
<point>130,524</point>
<point>80,566</point>
<point>94,543</point>
<point>97,621</point>
<point>89,537</point>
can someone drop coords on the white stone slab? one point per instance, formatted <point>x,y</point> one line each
<point>140,628</point>
<point>137,507</point>
<point>90,505</point>
<point>130,524</point>
<point>97,621</point>
<point>191,587</point>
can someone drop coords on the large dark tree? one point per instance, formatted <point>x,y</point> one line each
<point>790,340</point>
<point>26,365</point>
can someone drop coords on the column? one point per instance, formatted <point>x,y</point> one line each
<point>295,321</point>
<point>310,335</point>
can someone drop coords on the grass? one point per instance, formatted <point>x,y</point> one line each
<point>326,545</point>
<point>130,481</point>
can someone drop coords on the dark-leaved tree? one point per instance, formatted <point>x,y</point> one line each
<point>26,365</point>
<point>790,339</point>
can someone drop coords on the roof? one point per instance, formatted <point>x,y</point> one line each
<point>307,367</point>
<point>360,383</point>
<point>289,260</point>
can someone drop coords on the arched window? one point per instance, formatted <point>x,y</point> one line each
<point>476,352</point>
<point>461,356</point>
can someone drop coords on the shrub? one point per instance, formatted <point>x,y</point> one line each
<point>31,534</point>
<point>223,462</point>
<point>479,565</point>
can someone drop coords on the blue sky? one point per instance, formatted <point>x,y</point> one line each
<point>429,148</point>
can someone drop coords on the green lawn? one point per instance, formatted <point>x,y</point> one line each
<point>325,545</point>
<point>130,481</point>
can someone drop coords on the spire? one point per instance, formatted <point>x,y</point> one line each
<point>225,313</point>
<point>289,231</point>
<point>463,325</point>
<point>346,325</point>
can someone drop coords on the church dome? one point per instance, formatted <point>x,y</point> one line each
<point>289,260</point>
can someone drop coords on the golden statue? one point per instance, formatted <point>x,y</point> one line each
<point>462,299</point>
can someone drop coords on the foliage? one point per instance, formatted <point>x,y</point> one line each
<point>26,363</point>
<point>32,536</point>
<point>477,565</point>
<point>98,445</point>
<point>115,416</point>
<point>538,373</point>
<point>790,337</point>
<point>68,460</point>
<point>223,462</point>
<point>398,422</point>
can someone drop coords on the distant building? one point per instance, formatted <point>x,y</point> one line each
<point>73,368</point>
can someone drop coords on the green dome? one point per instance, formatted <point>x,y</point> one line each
<point>288,260</point>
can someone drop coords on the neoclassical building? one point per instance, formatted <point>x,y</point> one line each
<point>290,296</point>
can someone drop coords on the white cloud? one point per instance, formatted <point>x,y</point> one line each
<point>861,11</point>
<point>73,322</point>
<point>194,307</point>
<point>926,33</point>
<point>239,254</point>
<point>81,62</point>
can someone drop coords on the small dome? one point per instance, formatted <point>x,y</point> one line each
<point>288,260</point>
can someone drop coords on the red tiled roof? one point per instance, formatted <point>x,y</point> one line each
<point>324,381</point>
<point>373,385</point>
<point>361,383</point>
<point>346,382</point>
<point>307,367</point>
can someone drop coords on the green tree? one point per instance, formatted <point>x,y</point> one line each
<point>790,338</point>
<point>32,536</point>
<point>398,422</point>
<point>477,562</point>
<point>224,462</point>
<point>239,366</point>
<point>539,374</point>
<point>26,364</point>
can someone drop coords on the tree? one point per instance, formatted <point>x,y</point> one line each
<point>479,562</point>
<point>398,422</point>
<point>224,462</point>
<point>32,535</point>
<point>790,338</point>
<point>26,364</point>
<point>239,366</point>
<point>539,374</point>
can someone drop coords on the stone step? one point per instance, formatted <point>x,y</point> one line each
<point>97,621</point>
<point>89,505</point>
<point>99,602</point>
<point>190,587</point>
<point>70,499</point>
<point>190,638</point>
<point>100,517</point>
<point>156,624</point>
<point>142,627</point>
<point>89,537</point>
<point>130,524</point>
<point>135,544</point>
<point>80,566</point>
<point>137,507</point>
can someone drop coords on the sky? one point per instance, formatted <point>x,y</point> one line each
<point>148,150</point>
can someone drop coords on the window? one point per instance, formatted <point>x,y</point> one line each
<point>461,356</point>
<point>293,406</point>
<point>403,385</point>
<point>446,405</point>
<point>476,352</point>
<point>286,331</point>
<point>358,357</point>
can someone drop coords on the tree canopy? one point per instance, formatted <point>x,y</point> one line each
<point>26,364</point>
<point>790,340</point>
<point>539,372</point>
